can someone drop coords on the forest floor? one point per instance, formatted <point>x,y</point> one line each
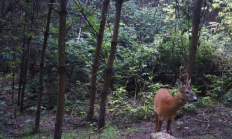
<point>214,122</point>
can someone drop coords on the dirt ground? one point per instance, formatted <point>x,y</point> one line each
<point>213,123</point>
<point>206,122</point>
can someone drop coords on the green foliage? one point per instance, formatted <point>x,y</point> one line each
<point>28,131</point>
<point>219,85</point>
<point>34,137</point>
<point>224,14</point>
<point>1,136</point>
<point>153,40</point>
<point>227,98</point>
<point>155,87</point>
<point>70,135</point>
<point>138,113</point>
<point>42,134</point>
<point>6,90</point>
<point>8,77</point>
<point>110,132</point>
<point>205,101</point>
<point>189,106</point>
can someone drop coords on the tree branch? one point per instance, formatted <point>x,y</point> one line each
<point>81,11</point>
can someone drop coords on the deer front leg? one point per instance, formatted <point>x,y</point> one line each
<point>169,127</point>
<point>160,125</point>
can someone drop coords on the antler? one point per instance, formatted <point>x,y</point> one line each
<point>185,75</point>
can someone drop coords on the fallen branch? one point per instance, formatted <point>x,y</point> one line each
<point>197,120</point>
<point>204,115</point>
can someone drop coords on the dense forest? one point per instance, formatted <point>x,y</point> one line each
<point>91,69</point>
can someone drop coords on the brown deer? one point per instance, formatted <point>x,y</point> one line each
<point>166,106</point>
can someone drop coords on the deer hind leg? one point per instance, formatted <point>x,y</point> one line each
<point>169,127</point>
<point>156,121</point>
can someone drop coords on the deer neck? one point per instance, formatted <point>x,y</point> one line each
<point>177,102</point>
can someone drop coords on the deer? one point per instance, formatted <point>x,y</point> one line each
<point>166,106</point>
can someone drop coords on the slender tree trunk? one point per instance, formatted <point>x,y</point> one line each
<point>21,72</point>
<point>41,71</point>
<point>26,60</point>
<point>61,70</point>
<point>3,7</point>
<point>109,68</point>
<point>96,60</point>
<point>26,54</point>
<point>195,37</point>
<point>13,84</point>
<point>81,21</point>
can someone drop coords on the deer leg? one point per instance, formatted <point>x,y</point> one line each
<point>169,127</point>
<point>160,125</point>
<point>156,121</point>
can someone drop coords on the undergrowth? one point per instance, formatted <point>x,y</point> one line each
<point>110,132</point>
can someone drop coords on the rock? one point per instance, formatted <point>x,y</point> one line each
<point>161,135</point>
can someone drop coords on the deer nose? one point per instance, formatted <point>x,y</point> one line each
<point>195,100</point>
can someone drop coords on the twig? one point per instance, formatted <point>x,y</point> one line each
<point>81,11</point>
<point>72,112</point>
<point>127,117</point>
<point>70,103</point>
<point>197,120</point>
<point>178,5</point>
<point>224,119</point>
<point>9,8</point>
<point>50,5</point>
<point>206,118</point>
<point>15,123</point>
<point>204,115</point>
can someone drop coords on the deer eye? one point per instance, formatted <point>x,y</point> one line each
<point>186,92</point>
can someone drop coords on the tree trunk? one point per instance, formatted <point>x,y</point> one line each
<point>109,68</point>
<point>21,72</point>
<point>3,7</point>
<point>24,81</point>
<point>96,60</point>
<point>61,70</point>
<point>81,21</point>
<point>41,71</point>
<point>13,84</point>
<point>27,44</point>
<point>195,37</point>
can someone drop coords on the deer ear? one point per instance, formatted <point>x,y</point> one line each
<point>179,83</point>
<point>189,81</point>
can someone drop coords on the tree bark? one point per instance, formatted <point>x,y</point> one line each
<point>13,84</point>
<point>96,60</point>
<point>195,37</point>
<point>24,81</point>
<point>109,68</point>
<point>81,21</point>
<point>21,71</point>
<point>61,70</point>
<point>41,71</point>
<point>27,43</point>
